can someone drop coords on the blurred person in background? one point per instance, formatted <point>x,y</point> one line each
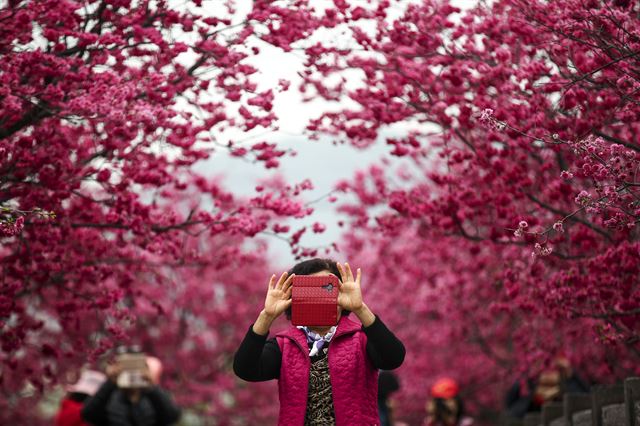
<point>445,406</point>
<point>71,405</point>
<point>550,385</point>
<point>118,403</point>
<point>387,384</point>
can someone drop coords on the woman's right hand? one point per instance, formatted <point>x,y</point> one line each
<point>277,301</point>
<point>278,295</point>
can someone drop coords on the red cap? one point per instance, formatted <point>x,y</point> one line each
<point>445,388</point>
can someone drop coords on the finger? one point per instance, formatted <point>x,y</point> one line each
<point>272,281</point>
<point>287,284</point>
<point>358,276</point>
<point>349,273</point>
<point>281,280</point>
<point>287,293</point>
<point>342,273</point>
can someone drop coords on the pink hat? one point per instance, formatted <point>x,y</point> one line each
<point>89,382</point>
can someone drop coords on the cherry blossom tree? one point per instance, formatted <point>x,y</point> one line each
<point>500,231</point>
<point>108,236</point>
<point>503,230</point>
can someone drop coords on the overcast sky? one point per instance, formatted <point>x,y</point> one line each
<point>321,161</point>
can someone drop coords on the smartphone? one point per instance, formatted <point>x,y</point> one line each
<point>314,300</point>
<point>134,367</point>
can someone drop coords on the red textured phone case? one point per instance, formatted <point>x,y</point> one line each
<point>315,300</point>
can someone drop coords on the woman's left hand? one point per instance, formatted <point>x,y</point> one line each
<point>350,293</point>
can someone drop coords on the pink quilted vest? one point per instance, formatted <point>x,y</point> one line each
<point>354,380</point>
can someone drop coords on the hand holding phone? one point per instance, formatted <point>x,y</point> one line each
<point>350,297</point>
<point>134,372</point>
<point>112,371</point>
<point>278,297</point>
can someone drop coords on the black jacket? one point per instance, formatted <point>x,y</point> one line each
<point>518,404</point>
<point>111,407</point>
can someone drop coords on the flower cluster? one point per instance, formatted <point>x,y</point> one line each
<point>10,228</point>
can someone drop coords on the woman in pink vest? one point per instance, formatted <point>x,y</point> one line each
<point>326,375</point>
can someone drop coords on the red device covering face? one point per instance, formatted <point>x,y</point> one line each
<point>315,300</point>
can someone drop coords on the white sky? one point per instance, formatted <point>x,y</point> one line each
<point>321,161</point>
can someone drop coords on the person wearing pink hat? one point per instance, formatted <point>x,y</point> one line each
<point>71,405</point>
<point>445,407</point>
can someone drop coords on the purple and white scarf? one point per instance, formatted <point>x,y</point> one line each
<point>317,340</point>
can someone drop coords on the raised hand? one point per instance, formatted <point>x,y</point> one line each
<point>113,370</point>
<point>278,297</point>
<point>350,293</point>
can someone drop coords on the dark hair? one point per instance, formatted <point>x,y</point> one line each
<point>443,411</point>
<point>78,396</point>
<point>311,266</point>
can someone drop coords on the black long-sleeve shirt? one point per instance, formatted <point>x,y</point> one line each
<point>258,359</point>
